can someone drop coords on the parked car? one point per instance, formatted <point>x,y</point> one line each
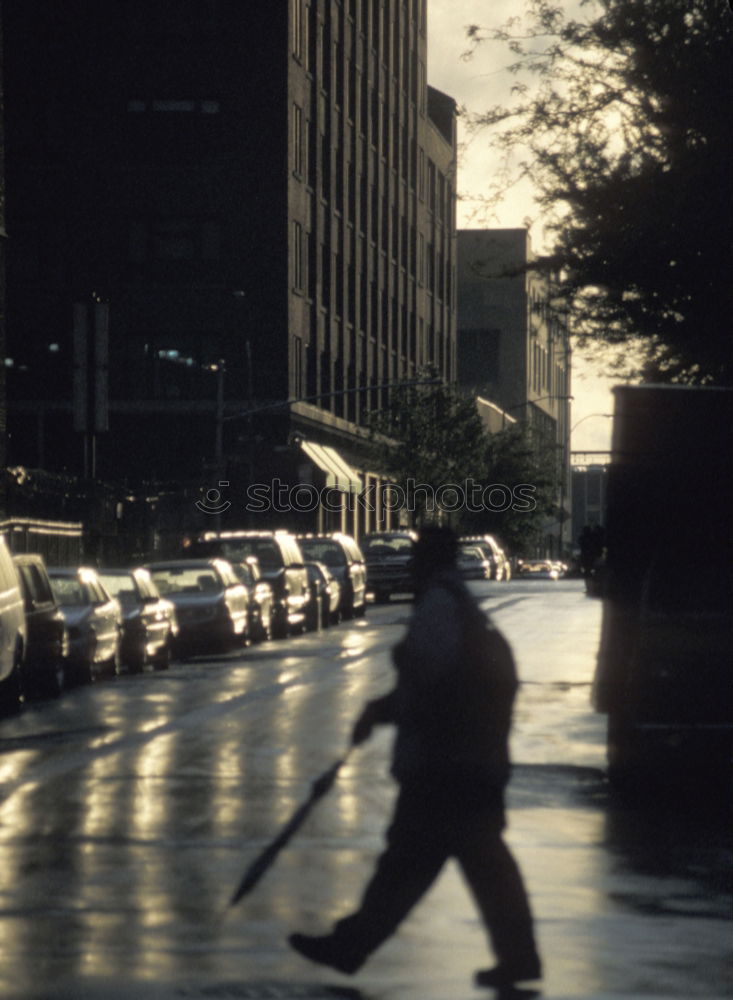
<point>42,672</point>
<point>149,624</point>
<point>261,599</point>
<point>281,562</point>
<point>492,551</point>
<point>345,562</point>
<point>13,631</point>
<point>388,556</point>
<point>93,620</point>
<point>325,594</point>
<point>211,602</point>
<point>472,563</point>
<point>506,573</point>
<point>538,569</point>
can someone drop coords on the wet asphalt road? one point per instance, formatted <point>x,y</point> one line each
<point>129,810</point>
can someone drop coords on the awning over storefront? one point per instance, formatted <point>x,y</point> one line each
<point>339,474</point>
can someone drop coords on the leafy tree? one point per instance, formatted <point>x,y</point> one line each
<point>519,485</point>
<point>622,122</point>
<point>429,435</point>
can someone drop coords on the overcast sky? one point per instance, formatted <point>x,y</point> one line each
<point>480,83</point>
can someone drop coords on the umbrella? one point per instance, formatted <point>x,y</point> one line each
<point>261,864</point>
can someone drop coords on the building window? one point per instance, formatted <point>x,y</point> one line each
<point>138,242</point>
<point>175,106</point>
<point>298,26</point>
<point>211,241</point>
<point>298,257</point>
<point>298,143</point>
<point>422,88</point>
<point>325,276</point>
<point>174,239</point>
<point>297,367</point>
<point>431,185</point>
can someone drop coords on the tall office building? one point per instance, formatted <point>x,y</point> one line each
<point>218,207</point>
<point>514,350</point>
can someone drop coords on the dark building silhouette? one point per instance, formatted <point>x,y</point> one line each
<point>259,201</point>
<point>3,406</point>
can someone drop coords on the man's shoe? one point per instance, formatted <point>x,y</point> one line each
<point>503,976</point>
<point>326,951</point>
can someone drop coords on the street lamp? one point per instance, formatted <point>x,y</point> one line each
<point>285,404</point>
<point>587,417</point>
<point>529,402</point>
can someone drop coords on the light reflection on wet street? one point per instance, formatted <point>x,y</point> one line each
<point>129,810</point>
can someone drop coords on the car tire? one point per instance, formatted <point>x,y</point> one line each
<point>346,607</point>
<point>162,659</point>
<point>313,621</point>
<point>262,632</point>
<point>280,627</point>
<point>265,633</point>
<point>10,688</point>
<point>136,662</point>
<point>110,667</point>
<point>79,674</point>
<point>40,684</point>
<point>53,681</point>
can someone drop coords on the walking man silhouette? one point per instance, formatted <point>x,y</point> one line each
<point>452,706</point>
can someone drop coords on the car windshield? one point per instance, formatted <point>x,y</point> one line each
<point>188,580</point>
<point>120,585</point>
<point>243,572</point>
<point>237,550</point>
<point>321,550</point>
<point>69,592</point>
<point>385,546</point>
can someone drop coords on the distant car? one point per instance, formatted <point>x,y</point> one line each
<point>346,563</point>
<point>42,671</point>
<point>13,631</point>
<point>261,599</point>
<point>93,620</point>
<point>388,556</point>
<point>538,569</point>
<point>472,563</point>
<point>149,625</point>
<point>281,562</point>
<point>325,595</point>
<point>212,604</point>
<point>492,551</point>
